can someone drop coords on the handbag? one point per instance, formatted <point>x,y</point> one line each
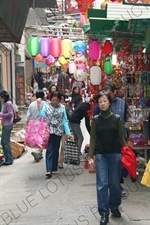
<point>17,117</point>
<point>37,134</point>
<point>146,176</point>
<point>71,153</point>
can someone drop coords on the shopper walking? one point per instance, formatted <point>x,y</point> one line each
<point>32,114</point>
<point>55,114</point>
<point>106,141</point>
<point>7,115</point>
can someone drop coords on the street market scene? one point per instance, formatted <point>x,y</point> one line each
<point>75,112</point>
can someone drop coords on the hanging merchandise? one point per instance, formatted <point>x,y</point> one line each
<point>95,75</point>
<point>62,60</point>
<point>72,67</point>
<point>63,82</point>
<point>103,5</point>
<point>94,50</point>
<point>39,58</point>
<point>80,62</point>
<point>107,48</point>
<point>83,20</point>
<point>108,68</point>
<point>80,75</point>
<point>55,50</point>
<point>80,47</point>
<point>66,46</point>
<point>33,46</point>
<point>83,6</point>
<point>50,60</point>
<point>45,47</point>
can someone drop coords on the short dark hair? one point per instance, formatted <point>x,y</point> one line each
<point>4,94</point>
<point>55,94</point>
<point>110,86</point>
<point>103,93</point>
<point>40,94</point>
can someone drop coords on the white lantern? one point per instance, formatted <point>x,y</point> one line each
<point>95,75</point>
<point>72,67</point>
<point>80,75</point>
<point>80,62</point>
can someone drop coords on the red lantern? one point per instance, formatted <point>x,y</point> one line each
<point>55,47</point>
<point>108,48</point>
<point>39,58</point>
<point>48,63</point>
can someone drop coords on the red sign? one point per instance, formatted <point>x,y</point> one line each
<point>71,7</point>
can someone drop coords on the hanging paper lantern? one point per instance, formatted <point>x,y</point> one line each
<point>33,46</point>
<point>50,60</point>
<point>95,74</point>
<point>62,60</point>
<point>108,68</point>
<point>45,47</point>
<point>80,62</point>
<point>80,75</point>
<point>94,50</point>
<point>72,67</point>
<point>39,58</point>
<point>55,47</point>
<point>66,46</point>
<point>80,47</point>
<point>107,48</point>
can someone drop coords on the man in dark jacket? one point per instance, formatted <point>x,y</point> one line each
<point>75,120</point>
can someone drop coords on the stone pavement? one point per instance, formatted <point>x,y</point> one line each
<point>27,198</point>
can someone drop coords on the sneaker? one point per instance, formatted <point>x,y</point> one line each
<point>36,158</point>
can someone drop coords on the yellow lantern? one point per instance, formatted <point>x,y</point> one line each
<point>62,60</point>
<point>66,46</point>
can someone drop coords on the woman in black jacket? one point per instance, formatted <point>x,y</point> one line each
<point>76,97</point>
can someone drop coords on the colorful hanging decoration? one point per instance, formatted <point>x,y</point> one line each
<point>45,47</point>
<point>55,50</point>
<point>107,48</point>
<point>83,6</point>
<point>95,74</point>
<point>50,60</point>
<point>33,46</point>
<point>94,50</point>
<point>39,58</point>
<point>83,20</point>
<point>80,62</point>
<point>72,67</point>
<point>80,75</point>
<point>108,68</point>
<point>66,46</point>
<point>80,47</point>
<point>62,60</point>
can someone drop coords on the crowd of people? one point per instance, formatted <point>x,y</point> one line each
<point>64,111</point>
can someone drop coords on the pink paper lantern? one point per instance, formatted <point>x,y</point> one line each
<point>94,50</point>
<point>39,58</point>
<point>45,47</point>
<point>55,47</point>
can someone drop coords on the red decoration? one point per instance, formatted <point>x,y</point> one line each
<point>39,58</point>
<point>84,6</point>
<point>48,63</point>
<point>108,48</point>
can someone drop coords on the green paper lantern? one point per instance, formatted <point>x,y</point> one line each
<point>108,68</point>
<point>33,46</point>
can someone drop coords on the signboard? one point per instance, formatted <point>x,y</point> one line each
<point>20,83</point>
<point>71,7</point>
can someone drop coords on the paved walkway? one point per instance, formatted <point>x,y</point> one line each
<point>69,198</point>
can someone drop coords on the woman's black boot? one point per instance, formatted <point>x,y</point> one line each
<point>104,219</point>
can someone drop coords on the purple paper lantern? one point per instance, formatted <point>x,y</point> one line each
<point>45,47</point>
<point>94,50</point>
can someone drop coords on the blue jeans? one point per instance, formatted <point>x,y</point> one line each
<point>52,153</point>
<point>108,174</point>
<point>5,142</point>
